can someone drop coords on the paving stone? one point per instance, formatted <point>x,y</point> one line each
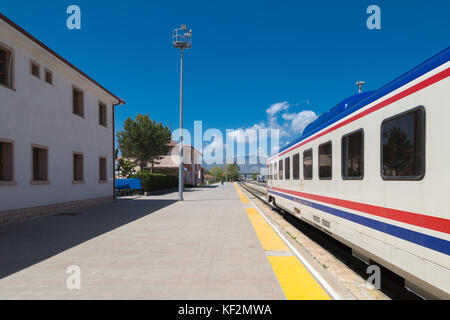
<point>142,248</point>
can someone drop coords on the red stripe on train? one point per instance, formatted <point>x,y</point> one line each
<point>417,87</point>
<point>419,220</point>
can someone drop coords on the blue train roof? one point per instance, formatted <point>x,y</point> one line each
<point>360,100</point>
<point>328,117</point>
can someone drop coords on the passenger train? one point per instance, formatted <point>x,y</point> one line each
<point>374,173</point>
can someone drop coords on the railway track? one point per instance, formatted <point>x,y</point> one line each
<point>392,285</point>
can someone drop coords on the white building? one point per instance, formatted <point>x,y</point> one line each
<point>56,130</point>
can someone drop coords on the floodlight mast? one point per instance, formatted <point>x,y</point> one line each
<point>181,39</point>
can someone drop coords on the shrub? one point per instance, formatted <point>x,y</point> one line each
<point>156,181</point>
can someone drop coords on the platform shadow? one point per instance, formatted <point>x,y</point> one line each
<point>26,243</point>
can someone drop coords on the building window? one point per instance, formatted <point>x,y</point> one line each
<point>48,76</point>
<point>287,168</point>
<point>6,67</point>
<point>325,158</point>
<point>353,155</point>
<point>102,169</point>
<point>35,69</point>
<point>3,67</point>
<point>296,166</point>
<point>403,146</point>
<point>78,167</point>
<point>102,114</point>
<point>308,164</point>
<point>280,169</point>
<point>40,164</point>
<point>6,161</point>
<point>78,102</point>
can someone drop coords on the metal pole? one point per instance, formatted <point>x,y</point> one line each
<point>114,149</point>
<point>181,178</point>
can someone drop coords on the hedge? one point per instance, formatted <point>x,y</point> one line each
<point>156,181</point>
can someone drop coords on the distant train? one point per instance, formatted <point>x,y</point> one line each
<point>261,178</point>
<point>374,173</point>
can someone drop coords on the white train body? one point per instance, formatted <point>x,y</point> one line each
<point>397,210</point>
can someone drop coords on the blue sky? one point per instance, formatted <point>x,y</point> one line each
<point>246,55</point>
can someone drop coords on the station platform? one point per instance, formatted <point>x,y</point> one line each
<point>214,245</point>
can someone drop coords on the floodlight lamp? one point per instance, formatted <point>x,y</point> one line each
<point>181,38</point>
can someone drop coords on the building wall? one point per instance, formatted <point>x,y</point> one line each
<point>38,113</point>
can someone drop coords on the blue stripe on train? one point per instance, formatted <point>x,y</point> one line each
<point>421,239</point>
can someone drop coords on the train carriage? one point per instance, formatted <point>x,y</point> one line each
<point>374,172</point>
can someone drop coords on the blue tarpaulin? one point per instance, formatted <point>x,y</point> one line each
<point>128,184</point>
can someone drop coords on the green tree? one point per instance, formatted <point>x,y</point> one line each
<point>161,148</point>
<point>233,171</point>
<point>143,140</point>
<point>125,167</point>
<point>217,172</point>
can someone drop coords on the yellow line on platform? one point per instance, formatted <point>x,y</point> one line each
<point>242,196</point>
<point>295,280</point>
<point>270,241</point>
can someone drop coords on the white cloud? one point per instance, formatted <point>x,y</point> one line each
<point>250,133</point>
<point>293,124</point>
<point>277,107</point>
<point>299,121</point>
<point>289,126</point>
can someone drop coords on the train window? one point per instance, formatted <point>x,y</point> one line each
<point>280,169</point>
<point>353,155</point>
<point>325,158</point>
<point>275,171</point>
<point>287,168</point>
<point>403,146</point>
<point>307,164</point>
<point>296,166</point>
<point>270,172</point>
